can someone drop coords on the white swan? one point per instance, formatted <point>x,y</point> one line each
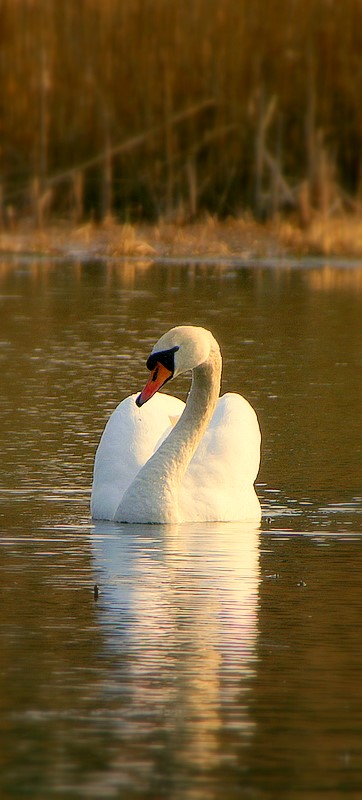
<point>150,470</point>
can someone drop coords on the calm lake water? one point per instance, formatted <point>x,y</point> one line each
<point>217,660</point>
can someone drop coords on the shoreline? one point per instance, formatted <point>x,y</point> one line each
<point>242,240</point>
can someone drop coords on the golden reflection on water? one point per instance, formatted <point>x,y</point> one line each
<point>197,669</point>
<point>127,271</point>
<point>333,278</point>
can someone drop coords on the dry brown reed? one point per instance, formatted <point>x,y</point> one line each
<point>243,239</point>
<point>155,109</point>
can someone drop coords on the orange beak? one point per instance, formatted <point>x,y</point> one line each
<point>158,378</point>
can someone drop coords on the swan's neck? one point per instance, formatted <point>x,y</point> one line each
<point>174,455</point>
<point>153,495</point>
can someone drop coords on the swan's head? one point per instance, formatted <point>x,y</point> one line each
<point>179,350</point>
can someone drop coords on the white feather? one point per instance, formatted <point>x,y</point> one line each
<point>208,462</point>
<point>130,438</point>
<point>219,481</point>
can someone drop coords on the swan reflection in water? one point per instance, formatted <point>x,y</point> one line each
<point>178,608</point>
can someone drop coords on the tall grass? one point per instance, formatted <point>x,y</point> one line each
<point>93,96</point>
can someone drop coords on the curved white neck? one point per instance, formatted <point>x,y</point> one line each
<point>175,453</point>
<point>153,495</point>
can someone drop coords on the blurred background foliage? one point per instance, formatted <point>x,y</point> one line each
<point>149,108</point>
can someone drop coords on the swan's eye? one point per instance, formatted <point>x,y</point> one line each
<point>154,374</point>
<point>165,358</point>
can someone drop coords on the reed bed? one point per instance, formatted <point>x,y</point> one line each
<point>156,109</point>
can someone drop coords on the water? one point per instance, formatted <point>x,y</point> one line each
<point>213,660</point>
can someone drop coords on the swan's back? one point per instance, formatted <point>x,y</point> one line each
<point>129,439</point>
<point>219,481</point>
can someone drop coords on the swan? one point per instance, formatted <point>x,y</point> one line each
<point>160,460</point>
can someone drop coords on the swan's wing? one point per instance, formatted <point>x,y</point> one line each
<point>219,482</point>
<point>129,439</point>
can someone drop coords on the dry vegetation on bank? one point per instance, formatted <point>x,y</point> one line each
<point>244,239</point>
